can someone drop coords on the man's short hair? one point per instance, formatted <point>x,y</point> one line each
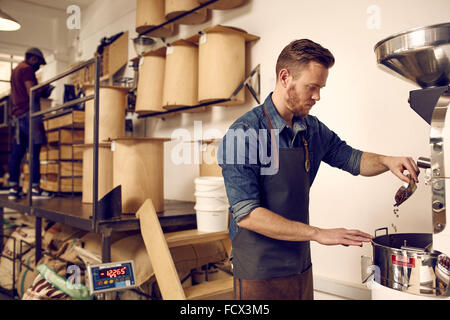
<point>299,53</point>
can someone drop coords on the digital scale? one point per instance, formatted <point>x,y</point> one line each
<point>111,277</point>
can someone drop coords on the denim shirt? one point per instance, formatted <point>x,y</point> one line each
<point>241,158</point>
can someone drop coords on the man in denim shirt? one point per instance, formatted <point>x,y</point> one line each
<point>269,158</point>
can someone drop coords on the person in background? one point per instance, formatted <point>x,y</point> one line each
<point>23,77</point>
<point>269,200</point>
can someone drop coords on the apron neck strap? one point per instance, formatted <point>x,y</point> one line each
<point>274,142</point>
<point>272,137</point>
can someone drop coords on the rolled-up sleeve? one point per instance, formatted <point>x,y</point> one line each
<point>337,153</point>
<point>240,171</point>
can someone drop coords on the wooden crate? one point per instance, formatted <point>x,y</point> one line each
<point>65,136</point>
<point>43,155</point>
<point>26,181</point>
<point>65,152</point>
<point>75,119</point>
<point>64,168</point>
<point>65,184</point>
<point>26,168</point>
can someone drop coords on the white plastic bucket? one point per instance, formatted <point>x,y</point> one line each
<point>209,184</point>
<point>212,221</point>
<point>211,203</point>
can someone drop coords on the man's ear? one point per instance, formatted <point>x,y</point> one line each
<point>283,77</point>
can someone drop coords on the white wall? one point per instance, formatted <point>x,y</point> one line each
<point>366,106</point>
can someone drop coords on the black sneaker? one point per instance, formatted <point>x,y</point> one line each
<point>14,193</point>
<point>38,193</point>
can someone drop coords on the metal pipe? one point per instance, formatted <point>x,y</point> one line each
<point>64,74</point>
<point>95,147</point>
<point>424,163</point>
<point>30,148</point>
<point>65,105</point>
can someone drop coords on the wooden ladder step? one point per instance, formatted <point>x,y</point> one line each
<point>193,236</point>
<point>209,289</point>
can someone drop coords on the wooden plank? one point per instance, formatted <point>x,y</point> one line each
<point>116,55</point>
<point>182,238</point>
<point>75,118</point>
<point>209,289</point>
<point>159,253</point>
<point>65,136</point>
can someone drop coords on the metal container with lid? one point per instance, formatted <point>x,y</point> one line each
<point>406,262</point>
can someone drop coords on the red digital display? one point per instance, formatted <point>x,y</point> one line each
<point>113,272</point>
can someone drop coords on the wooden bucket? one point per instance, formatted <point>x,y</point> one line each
<point>176,7</point>
<point>151,82</point>
<point>222,64</point>
<point>181,75</point>
<point>149,14</point>
<point>112,105</point>
<point>139,169</point>
<point>105,170</point>
<point>223,4</point>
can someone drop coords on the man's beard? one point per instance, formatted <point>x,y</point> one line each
<point>292,102</point>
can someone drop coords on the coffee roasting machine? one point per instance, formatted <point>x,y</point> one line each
<point>409,265</point>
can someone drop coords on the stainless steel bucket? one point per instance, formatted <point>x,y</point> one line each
<point>407,262</point>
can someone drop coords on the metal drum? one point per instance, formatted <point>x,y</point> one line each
<point>406,262</point>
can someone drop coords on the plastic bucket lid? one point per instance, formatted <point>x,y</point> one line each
<point>210,181</point>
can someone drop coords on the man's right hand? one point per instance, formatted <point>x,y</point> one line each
<point>341,236</point>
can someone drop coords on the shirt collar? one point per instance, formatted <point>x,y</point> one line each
<point>298,124</point>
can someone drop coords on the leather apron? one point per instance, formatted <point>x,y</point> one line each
<point>269,269</point>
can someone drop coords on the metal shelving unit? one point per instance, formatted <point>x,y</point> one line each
<point>69,209</point>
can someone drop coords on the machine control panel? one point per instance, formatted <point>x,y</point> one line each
<point>111,276</point>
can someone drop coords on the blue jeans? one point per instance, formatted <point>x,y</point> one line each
<point>19,148</point>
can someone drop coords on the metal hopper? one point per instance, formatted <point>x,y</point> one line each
<point>419,55</point>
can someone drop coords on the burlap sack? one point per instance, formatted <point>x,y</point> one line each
<point>6,266</point>
<point>57,234</point>
<point>26,276</point>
